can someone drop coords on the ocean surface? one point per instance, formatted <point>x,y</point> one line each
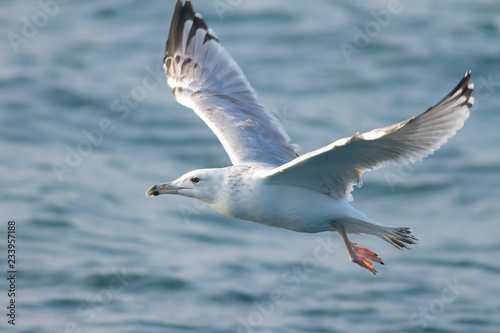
<point>88,123</point>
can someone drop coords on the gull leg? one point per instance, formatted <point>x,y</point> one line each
<point>359,255</point>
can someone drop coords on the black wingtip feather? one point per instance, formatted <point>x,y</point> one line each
<point>463,85</point>
<point>173,28</point>
<point>183,13</point>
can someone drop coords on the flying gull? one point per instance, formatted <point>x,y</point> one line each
<point>269,183</point>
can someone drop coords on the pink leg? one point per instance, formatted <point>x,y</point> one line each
<point>359,255</point>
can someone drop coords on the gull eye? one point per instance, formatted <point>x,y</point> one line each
<point>195,180</point>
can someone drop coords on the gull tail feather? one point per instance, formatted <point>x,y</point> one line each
<point>400,237</point>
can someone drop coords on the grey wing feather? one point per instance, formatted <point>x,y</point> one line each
<point>204,77</point>
<point>335,168</point>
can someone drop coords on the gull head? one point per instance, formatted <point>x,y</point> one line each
<point>201,184</point>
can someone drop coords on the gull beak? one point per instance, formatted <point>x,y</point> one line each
<point>165,188</point>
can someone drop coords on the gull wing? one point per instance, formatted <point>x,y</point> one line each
<point>335,168</point>
<point>205,78</point>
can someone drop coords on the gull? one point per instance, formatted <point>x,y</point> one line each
<point>268,182</point>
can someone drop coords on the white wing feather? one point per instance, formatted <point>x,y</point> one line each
<point>335,168</point>
<point>204,77</point>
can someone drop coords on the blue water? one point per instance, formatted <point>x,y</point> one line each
<point>95,255</point>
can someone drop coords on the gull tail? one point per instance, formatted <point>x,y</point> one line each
<point>400,237</point>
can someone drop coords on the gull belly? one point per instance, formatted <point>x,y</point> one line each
<point>290,207</point>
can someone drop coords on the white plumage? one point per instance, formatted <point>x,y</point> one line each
<point>268,182</point>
